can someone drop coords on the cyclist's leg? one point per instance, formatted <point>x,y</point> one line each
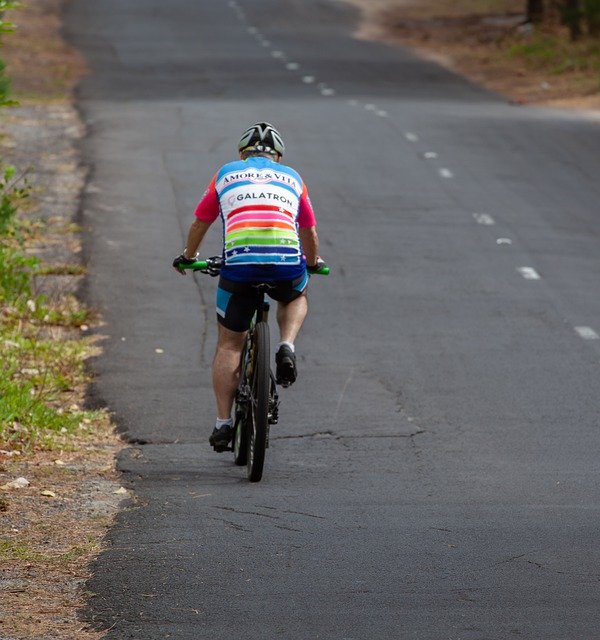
<point>291,312</point>
<point>226,369</point>
<point>235,306</point>
<point>292,306</point>
<point>290,317</point>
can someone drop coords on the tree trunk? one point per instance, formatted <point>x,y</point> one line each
<point>535,11</point>
<point>592,16</point>
<point>572,17</point>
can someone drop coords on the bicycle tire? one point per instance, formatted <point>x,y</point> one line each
<point>240,443</point>
<point>259,419</point>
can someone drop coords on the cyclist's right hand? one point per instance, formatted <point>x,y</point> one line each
<point>315,268</point>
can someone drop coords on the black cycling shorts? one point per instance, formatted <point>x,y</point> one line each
<point>236,301</point>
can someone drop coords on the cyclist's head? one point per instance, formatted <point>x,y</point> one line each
<point>261,139</point>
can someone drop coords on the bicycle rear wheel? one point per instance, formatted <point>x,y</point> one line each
<point>240,442</point>
<point>259,418</point>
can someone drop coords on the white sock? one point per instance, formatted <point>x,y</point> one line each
<point>287,344</point>
<point>222,423</point>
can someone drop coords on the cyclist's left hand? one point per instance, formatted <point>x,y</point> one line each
<point>181,259</point>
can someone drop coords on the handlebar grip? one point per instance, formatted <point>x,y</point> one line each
<point>321,271</point>
<point>195,266</point>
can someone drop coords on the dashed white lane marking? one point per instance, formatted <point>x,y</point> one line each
<point>277,54</point>
<point>252,30</point>
<point>265,43</point>
<point>353,103</point>
<point>411,137</point>
<point>503,241</point>
<point>430,155</point>
<point>327,91</point>
<point>292,66</point>
<point>446,173</point>
<point>587,333</point>
<point>484,218</point>
<point>529,273</point>
<point>376,110</point>
<point>308,79</point>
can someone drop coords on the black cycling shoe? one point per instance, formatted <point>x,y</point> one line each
<point>285,359</point>
<point>220,438</point>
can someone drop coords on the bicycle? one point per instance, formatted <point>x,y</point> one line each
<point>256,398</point>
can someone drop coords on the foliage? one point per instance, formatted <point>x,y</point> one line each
<point>5,27</point>
<point>554,54</point>
<point>582,17</point>
<point>36,374</point>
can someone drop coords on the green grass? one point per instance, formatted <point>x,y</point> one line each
<point>11,550</point>
<point>556,55</point>
<point>62,270</point>
<point>37,374</point>
<point>34,376</point>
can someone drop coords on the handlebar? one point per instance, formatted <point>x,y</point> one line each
<point>204,265</point>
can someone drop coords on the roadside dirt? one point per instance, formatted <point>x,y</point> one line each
<point>476,38</point>
<point>53,526</point>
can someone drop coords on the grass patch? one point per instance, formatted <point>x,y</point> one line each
<point>553,53</point>
<point>38,376</point>
<point>62,270</point>
<point>37,380</point>
<point>12,550</point>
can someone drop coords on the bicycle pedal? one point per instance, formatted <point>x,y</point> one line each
<point>222,449</point>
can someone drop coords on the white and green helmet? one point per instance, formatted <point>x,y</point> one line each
<point>262,137</point>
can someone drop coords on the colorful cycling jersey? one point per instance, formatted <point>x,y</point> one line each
<point>262,205</point>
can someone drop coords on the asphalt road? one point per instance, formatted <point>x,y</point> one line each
<point>435,473</point>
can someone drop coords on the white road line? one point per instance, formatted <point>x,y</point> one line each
<point>411,137</point>
<point>381,113</point>
<point>484,218</point>
<point>353,103</point>
<point>292,66</point>
<point>277,54</point>
<point>503,241</point>
<point>371,107</point>
<point>326,91</point>
<point>252,30</point>
<point>308,79</point>
<point>446,173</point>
<point>529,273</point>
<point>430,155</point>
<point>587,333</point>
<point>265,43</point>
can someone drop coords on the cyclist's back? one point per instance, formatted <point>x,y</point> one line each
<point>262,204</point>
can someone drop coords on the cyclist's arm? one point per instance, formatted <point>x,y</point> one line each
<point>310,244</point>
<point>195,236</point>
<point>206,213</point>
<point>307,229</point>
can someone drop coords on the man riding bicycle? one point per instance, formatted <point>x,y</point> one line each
<point>269,237</point>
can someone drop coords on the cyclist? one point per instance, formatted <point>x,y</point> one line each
<point>269,236</point>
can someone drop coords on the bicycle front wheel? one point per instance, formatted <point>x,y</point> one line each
<point>257,441</point>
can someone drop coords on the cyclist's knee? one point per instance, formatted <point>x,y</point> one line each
<point>230,340</point>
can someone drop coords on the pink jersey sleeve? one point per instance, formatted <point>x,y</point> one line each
<point>208,208</point>
<point>306,215</point>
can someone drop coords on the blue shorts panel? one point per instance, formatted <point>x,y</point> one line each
<point>237,301</point>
